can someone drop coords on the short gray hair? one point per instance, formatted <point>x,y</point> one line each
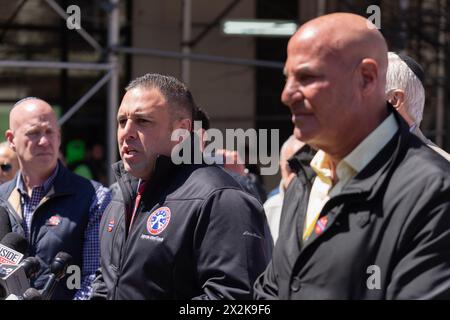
<point>176,93</point>
<point>400,76</point>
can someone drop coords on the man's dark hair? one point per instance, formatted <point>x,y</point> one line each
<point>201,115</point>
<point>176,93</point>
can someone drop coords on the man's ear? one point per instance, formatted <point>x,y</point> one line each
<point>369,75</point>
<point>9,135</point>
<point>185,124</point>
<point>182,128</point>
<point>396,98</point>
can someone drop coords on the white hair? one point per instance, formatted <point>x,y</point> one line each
<point>400,76</point>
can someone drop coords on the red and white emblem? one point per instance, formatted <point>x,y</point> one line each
<point>158,220</point>
<point>54,221</point>
<point>111,224</point>
<point>321,224</point>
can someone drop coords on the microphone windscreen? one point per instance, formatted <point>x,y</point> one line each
<point>31,265</point>
<point>60,263</point>
<point>5,224</point>
<point>16,242</point>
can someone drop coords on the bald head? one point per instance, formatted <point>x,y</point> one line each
<point>34,135</point>
<point>346,37</point>
<point>335,82</point>
<point>29,107</point>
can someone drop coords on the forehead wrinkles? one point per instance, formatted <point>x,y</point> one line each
<point>41,120</point>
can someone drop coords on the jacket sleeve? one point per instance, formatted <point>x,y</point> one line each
<point>266,287</point>
<point>231,245</point>
<point>99,287</point>
<point>423,267</point>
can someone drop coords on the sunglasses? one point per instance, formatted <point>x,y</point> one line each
<point>5,167</point>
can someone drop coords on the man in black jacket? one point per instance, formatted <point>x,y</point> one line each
<point>184,231</point>
<point>369,216</point>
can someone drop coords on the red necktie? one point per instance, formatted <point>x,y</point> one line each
<point>141,189</point>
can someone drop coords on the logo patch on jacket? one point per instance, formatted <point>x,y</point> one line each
<point>111,224</point>
<point>54,221</point>
<point>321,224</point>
<point>158,220</point>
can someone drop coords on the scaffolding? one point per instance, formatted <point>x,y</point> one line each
<point>111,67</point>
<point>111,52</point>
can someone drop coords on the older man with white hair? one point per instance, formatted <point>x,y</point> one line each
<point>405,91</point>
<point>273,205</point>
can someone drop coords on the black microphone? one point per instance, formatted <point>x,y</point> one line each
<point>15,241</point>
<point>14,278</point>
<point>31,266</point>
<point>58,269</point>
<point>5,223</point>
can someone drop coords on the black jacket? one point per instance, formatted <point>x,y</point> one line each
<point>213,243</point>
<point>387,235</point>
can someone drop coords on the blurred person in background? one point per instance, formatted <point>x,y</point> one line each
<point>405,90</point>
<point>273,205</point>
<point>231,161</point>
<point>8,162</point>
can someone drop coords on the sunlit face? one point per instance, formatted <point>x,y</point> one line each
<point>36,137</point>
<point>8,164</point>
<point>144,130</point>
<point>318,91</point>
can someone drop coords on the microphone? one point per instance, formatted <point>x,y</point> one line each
<point>14,278</point>
<point>58,269</point>
<point>5,224</point>
<point>29,294</point>
<point>12,248</point>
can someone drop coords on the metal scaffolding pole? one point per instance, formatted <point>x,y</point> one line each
<point>113,87</point>
<point>440,112</point>
<point>54,65</point>
<point>201,57</point>
<point>321,7</point>
<point>186,48</point>
<point>84,98</point>
<point>86,36</point>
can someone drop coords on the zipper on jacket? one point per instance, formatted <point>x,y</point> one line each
<point>124,248</point>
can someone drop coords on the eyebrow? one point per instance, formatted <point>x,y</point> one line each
<point>301,69</point>
<point>304,69</point>
<point>136,115</point>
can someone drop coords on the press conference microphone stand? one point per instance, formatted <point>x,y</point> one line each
<point>58,269</point>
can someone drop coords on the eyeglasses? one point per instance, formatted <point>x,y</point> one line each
<point>5,167</point>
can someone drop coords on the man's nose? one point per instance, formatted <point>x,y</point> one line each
<point>290,93</point>
<point>129,130</point>
<point>44,141</point>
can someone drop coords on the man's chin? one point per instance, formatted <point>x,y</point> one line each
<point>300,135</point>
<point>134,170</point>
